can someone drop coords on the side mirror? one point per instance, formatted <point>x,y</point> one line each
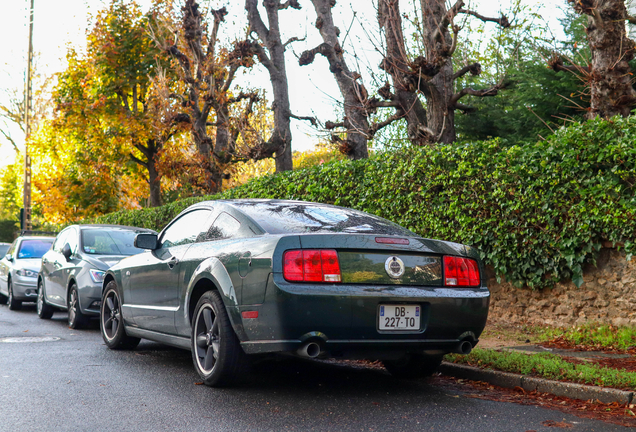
<point>66,251</point>
<point>9,257</point>
<point>146,241</point>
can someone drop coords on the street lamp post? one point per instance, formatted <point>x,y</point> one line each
<point>26,222</point>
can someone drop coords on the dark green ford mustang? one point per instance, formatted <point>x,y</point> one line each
<point>235,278</point>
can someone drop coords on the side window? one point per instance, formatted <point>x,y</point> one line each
<point>60,241</point>
<point>187,229</point>
<point>72,241</point>
<point>225,226</point>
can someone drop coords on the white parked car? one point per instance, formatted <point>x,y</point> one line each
<point>19,269</point>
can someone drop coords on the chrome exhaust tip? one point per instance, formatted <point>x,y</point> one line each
<point>464,347</point>
<point>309,350</point>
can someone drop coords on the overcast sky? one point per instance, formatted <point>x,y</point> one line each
<point>313,91</point>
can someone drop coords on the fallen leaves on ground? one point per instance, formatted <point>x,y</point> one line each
<point>561,342</point>
<point>593,409</point>
<point>552,423</point>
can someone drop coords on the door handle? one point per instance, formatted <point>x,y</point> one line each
<point>173,262</point>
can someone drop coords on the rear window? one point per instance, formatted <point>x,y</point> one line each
<point>35,248</point>
<point>285,217</point>
<point>104,241</point>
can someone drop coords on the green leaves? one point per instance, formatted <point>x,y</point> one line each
<point>537,212</point>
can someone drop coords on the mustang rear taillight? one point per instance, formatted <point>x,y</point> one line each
<point>461,272</point>
<point>311,265</point>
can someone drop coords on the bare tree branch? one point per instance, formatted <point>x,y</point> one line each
<point>556,64</point>
<point>329,125</point>
<point>502,20</point>
<point>465,108</point>
<point>139,161</point>
<point>8,137</point>
<point>447,19</point>
<point>294,39</point>
<point>492,91</point>
<point>312,120</point>
<point>474,69</point>
<point>256,22</point>
<point>290,3</point>
<point>375,127</point>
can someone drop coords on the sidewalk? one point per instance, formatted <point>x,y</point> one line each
<point>527,383</point>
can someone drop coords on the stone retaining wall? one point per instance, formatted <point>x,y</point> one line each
<point>607,296</point>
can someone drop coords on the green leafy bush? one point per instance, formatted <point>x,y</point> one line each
<point>536,212</point>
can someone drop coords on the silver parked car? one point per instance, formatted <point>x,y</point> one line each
<point>73,270</point>
<point>19,269</point>
<point>4,247</point>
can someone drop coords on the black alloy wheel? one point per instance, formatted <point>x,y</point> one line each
<point>11,301</point>
<point>76,319</point>
<point>110,320</point>
<point>44,310</point>
<point>413,366</point>
<point>216,351</point>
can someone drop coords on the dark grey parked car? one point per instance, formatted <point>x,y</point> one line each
<point>73,270</point>
<point>19,269</point>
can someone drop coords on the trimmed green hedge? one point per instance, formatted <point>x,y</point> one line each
<point>537,212</point>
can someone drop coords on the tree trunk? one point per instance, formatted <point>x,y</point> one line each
<point>396,64</point>
<point>203,142</point>
<point>154,182</point>
<point>440,111</point>
<point>281,140</point>
<point>353,93</point>
<point>610,75</point>
<point>440,89</point>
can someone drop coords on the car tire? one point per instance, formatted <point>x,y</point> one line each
<point>76,319</point>
<point>413,366</point>
<point>111,323</point>
<point>44,310</point>
<point>216,351</point>
<point>11,301</point>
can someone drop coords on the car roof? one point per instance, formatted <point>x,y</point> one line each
<point>317,219</point>
<point>36,237</point>
<point>112,226</point>
<point>211,203</point>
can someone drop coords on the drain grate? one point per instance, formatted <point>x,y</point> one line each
<point>29,339</point>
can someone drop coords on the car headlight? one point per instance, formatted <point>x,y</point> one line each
<point>26,273</point>
<point>97,275</point>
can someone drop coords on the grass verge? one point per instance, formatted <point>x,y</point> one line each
<point>593,336</point>
<point>547,366</point>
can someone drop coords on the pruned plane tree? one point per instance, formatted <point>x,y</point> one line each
<point>607,73</point>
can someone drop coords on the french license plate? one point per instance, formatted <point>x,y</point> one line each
<point>399,317</point>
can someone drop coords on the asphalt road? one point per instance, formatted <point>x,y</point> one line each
<point>72,382</point>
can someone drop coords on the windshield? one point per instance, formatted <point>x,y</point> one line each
<point>3,249</point>
<point>109,241</point>
<point>34,248</point>
<point>300,217</point>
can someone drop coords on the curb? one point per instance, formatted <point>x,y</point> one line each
<point>557,388</point>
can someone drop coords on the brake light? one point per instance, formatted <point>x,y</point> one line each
<point>461,272</point>
<point>311,265</point>
<point>392,240</point>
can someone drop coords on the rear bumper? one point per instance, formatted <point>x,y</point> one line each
<point>343,319</point>
<point>358,349</point>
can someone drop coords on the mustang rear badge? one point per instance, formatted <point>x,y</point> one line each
<point>394,267</point>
